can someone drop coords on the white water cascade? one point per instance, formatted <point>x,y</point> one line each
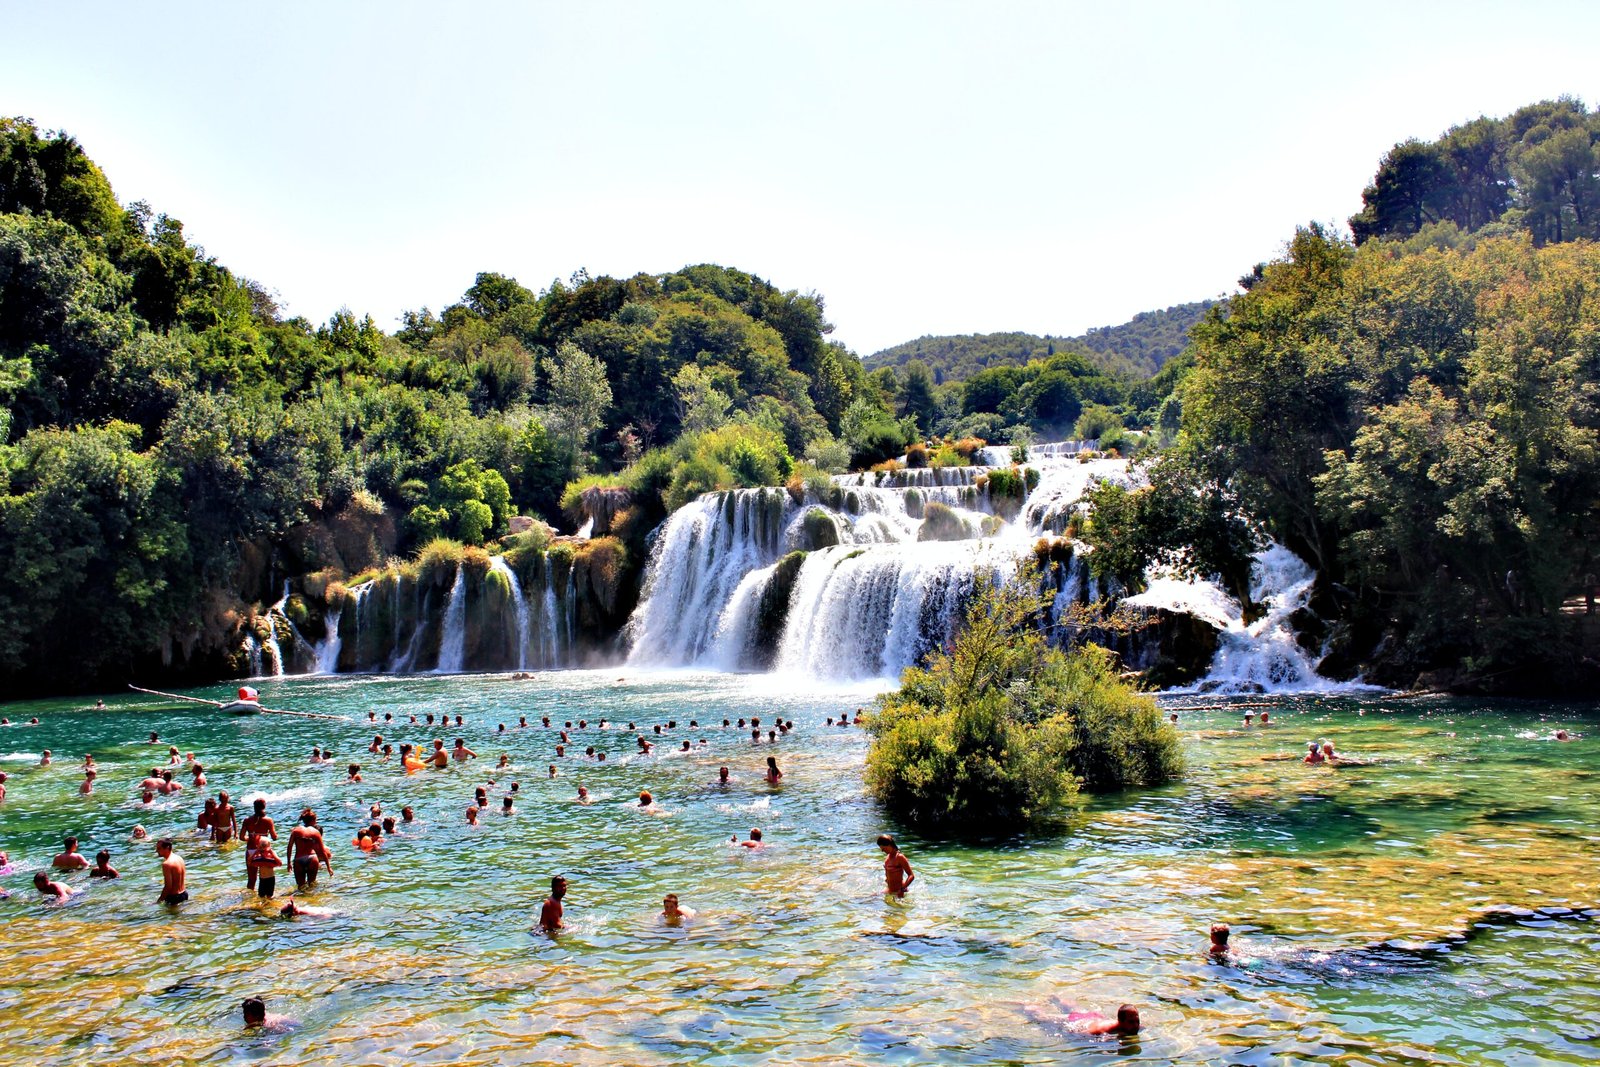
<point>453,641</point>
<point>328,649</point>
<point>272,632</point>
<point>499,565</point>
<point>870,596</point>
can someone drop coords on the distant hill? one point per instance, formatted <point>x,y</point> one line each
<point>1139,347</point>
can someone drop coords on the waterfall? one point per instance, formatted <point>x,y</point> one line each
<point>252,648</point>
<point>586,531</point>
<point>272,632</point>
<point>499,564</point>
<point>453,641</point>
<point>328,650</point>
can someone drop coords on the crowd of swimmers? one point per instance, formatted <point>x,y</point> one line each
<point>307,853</point>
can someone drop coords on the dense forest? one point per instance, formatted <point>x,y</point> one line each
<point>1135,349</point>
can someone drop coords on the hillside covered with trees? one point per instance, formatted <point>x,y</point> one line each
<point>1137,348</point>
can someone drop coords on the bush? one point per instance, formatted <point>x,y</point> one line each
<point>947,456</point>
<point>1002,731</point>
<point>808,479</point>
<point>940,523</point>
<point>969,447</point>
<point>917,456</point>
<point>475,521</point>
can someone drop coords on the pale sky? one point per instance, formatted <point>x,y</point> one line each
<point>926,167</point>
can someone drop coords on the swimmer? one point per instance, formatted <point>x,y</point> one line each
<point>173,757</point>
<point>102,866</point>
<point>255,1015</point>
<point>686,747</point>
<point>88,783</point>
<point>440,758</point>
<point>355,774</point>
<point>773,774</point>
<point>173,875</point>
<point>1249,718</point>
<point>377,743</point>
<point>44,761</point>
<point>154,739</point>
<point>56,890</point>
<point>723,778</point>
<point>4,778</point>
<point>583,795</point>
<point>505,761</point>
<point>553,771</point>
<point>897,872</point>
<point>226,825</point>
<point>645,799</point>
<point>316,756</point>
<point>308,851</point>
<point>207,819</point>
<point>552,912</point>
<point>1219,940</point>
<point>293,910</point>
<point>388,754</point>
<point>1562,735</point>
<point>672,913</point>
<point>266,864</point>
<point>1313,753</point>
<point>754,843</point>
<point>259,824</point>
<point>1266,718</point>
<point>70,859</point>
<point>472,814</point>
<point>755,737</point>
<point>147,797</point>
<point>461,753</point>
<point>506,807</point>
<point>139,834</point>
<point>407,816</point>
<point>1174,718</point>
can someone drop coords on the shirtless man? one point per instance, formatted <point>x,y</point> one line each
<point>461,753</point>
<point>88,783</point>
<point>1313,753</point>
<point>4,777</point>
<point>173,874</point>
<point>258,824</point>
<point>550,915</point>
<point>168,785</point>
<point>71,859</point>
<point>43,884</point>
<point>723,778</point>
<point>225,827</point>
<point>307,851</point>
<point>440,758</point>
<point>102,866</point>
<point>199,776</point>
<point>755,844</point>
<point>897,873</point>
<point>672,913</point>
<point>1219,940</point>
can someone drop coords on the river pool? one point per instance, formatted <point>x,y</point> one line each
<point>795,956</point>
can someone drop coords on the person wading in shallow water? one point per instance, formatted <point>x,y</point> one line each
<point>259,823</point>
<point>550,915</point>
<point>174,877</point>
<point>897,871</point>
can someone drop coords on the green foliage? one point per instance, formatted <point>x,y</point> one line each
<point>1002,731</point>
<point>1537,169</point>
<point>941,523</point>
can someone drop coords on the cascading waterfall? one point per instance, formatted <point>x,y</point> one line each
<point>328,650</point>
<point>252,649</point>
<point>453,642</point>
<point>870,596</point>
<point>272,633</point>
<point>1258,657</point>
<point>499,565</point>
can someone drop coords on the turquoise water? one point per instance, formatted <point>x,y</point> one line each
<point>795,956</point>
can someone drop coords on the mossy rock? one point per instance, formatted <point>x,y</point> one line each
<point>818,530</point>
<point>992,524</point>
<point>940,523</point>
<point>772,611</point>
<point>913,501</point>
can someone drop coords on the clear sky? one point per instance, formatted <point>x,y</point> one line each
<point>927,167</point>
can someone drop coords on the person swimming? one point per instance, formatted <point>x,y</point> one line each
<point>1313,753</point>
<point>673,913</point>
<point>1219,940</point>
